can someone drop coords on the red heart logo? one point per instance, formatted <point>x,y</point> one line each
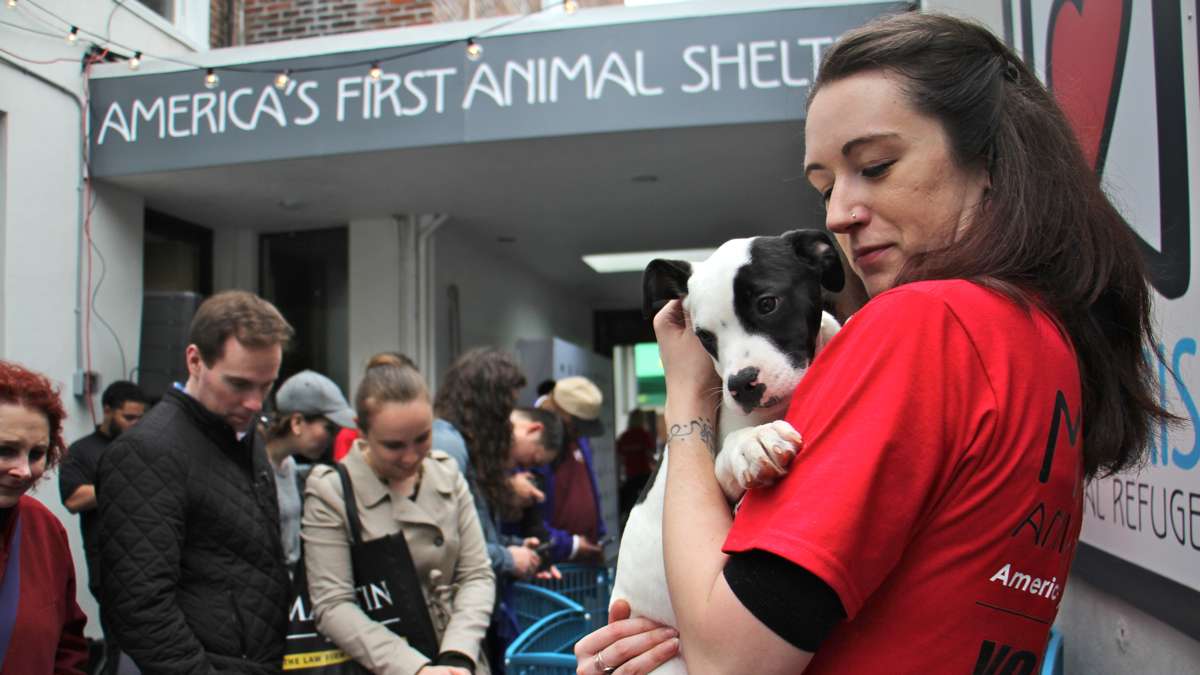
<point>1085,57</point>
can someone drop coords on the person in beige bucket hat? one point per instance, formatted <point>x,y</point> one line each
<point>580,398</point>
<point>574,518</point>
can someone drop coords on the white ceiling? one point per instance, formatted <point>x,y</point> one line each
<point>560,198</point>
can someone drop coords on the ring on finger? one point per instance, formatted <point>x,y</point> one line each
<point>602,667</point>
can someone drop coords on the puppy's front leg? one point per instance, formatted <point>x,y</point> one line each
<point>755,456</point>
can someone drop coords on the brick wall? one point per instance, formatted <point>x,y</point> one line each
<point>275,20</point>
<point>460,10</point>
<point>224,21</point>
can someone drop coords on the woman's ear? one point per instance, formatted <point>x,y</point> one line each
<point>296,423</point>
<point>983,177</point>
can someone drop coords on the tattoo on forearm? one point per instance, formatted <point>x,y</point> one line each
<point>701,428</point>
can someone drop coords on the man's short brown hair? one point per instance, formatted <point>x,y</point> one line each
<point>241,314</point>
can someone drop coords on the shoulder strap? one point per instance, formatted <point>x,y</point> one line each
<point>301,476</point>
<point>351,504</point>
<point>415,624</point>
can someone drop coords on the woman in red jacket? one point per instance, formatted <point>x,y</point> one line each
<point>41,625</point>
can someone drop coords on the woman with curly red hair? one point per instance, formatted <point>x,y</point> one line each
<point>41,625</point>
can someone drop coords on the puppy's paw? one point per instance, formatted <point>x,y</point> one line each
<point>756,456</point>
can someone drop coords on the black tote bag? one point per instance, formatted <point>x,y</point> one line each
<point>387,589</point>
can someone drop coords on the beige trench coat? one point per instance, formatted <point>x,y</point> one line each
<point>444,535</point>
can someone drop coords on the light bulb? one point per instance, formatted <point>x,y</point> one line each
<point>376,72</point>
<point>73,35</point>
<point>281,80</point>
<point>569,6</point>
<point>474,50</point>
<point>210,79</point>
<point>135,61</point>
<point>12,4</point>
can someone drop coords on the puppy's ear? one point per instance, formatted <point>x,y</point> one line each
<point>663,281</point>
<point>817,247</point>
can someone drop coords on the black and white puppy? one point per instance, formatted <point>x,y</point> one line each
<point>756,306</point>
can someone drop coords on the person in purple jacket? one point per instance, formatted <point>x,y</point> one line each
<point>573,517</point>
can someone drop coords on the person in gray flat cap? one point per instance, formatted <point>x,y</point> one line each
<point>309,409</point>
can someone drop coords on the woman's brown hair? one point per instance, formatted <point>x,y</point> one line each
<point>1045,232</point>
<point>387,380</point>
<point>477,395</point>
<point>390,359</point>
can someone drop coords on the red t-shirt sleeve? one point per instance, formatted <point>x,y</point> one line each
<point>889,411</point>
<point>342,442</point>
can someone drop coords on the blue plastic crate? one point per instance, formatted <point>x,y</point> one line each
<point>547,647</point>
<point>1052,660</point>
<point>531,603</point>
<point>588,585</point>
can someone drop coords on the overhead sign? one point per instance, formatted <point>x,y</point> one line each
<point>725,69</point>
<point>1118,70</point>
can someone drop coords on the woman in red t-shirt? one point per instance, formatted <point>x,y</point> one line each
<point>929,521</point>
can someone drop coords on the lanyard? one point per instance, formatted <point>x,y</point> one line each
<point>10,590</point>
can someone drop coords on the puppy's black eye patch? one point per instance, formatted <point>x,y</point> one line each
<point>709,341</point>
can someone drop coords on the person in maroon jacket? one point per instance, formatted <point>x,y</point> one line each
<point>41,625</point>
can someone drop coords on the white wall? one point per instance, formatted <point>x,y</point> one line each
<point>501,301</point>
<point>1104,636</point>
<point>988,12</point>
<point>379,249</point>
<point>4,160</point>
<point>39,221</point>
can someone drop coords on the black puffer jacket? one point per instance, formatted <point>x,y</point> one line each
<point>192,572</point>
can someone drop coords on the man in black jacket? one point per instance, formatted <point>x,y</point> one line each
<point>192,572</point>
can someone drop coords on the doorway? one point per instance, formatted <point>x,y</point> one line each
<point>306,275</point>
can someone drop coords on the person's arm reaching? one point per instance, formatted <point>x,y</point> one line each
<point>76,476</point>
<point>562,543</point>
<point>475,584</point>
<point>82,499</point>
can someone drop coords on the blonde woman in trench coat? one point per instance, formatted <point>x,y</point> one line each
<point>400,486</point>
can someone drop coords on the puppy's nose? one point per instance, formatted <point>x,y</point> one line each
<point>745,388</point>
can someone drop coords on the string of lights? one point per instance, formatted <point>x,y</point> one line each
<point>134,57</point>
<point>100,48</point>
<point>25,11</point>
<point>27,29</point>
<point>40,62</point>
